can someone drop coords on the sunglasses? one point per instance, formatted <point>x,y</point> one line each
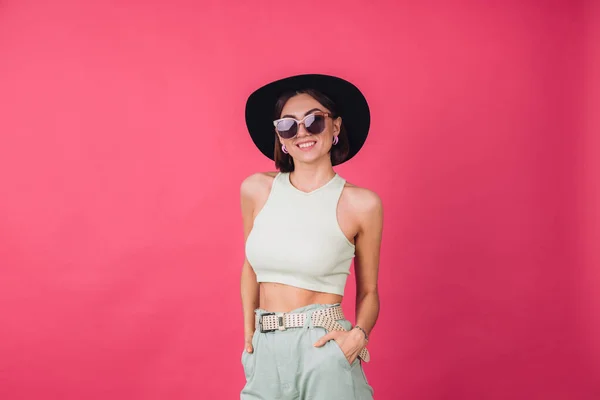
<point>313,123</point>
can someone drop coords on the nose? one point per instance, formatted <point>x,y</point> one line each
<point>302,131</point>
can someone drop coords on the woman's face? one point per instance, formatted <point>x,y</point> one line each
<point>306,147</point>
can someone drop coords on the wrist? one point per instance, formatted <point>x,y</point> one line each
<point>362,332</point>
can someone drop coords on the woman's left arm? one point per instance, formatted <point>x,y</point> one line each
<point>369,213</point>
<point>366,262</point>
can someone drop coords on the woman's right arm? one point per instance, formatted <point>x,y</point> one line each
<point>249,286</point>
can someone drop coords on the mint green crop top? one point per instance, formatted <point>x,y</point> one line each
<point>296,239</point>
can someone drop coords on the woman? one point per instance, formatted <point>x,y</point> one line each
<point>303,226</point>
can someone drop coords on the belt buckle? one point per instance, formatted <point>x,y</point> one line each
<point>260,326</point>
<point>280,322</point>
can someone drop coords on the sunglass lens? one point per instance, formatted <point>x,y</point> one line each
<point>287,128</point>
<point>315,124</point>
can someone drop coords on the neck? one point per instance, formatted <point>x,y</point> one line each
<point>308,177</point>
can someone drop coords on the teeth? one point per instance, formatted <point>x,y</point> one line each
<point>303,145</point>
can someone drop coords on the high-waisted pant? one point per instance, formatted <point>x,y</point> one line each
<point>285,365</point>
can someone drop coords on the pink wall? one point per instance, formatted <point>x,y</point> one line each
<point>589,191</point>
<point>120,230</point>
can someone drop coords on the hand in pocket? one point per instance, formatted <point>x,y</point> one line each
<point>349,342</point>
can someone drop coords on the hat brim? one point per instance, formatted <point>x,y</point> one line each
<point>350,102</point>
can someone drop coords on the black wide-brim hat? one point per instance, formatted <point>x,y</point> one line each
<point>350,103</point>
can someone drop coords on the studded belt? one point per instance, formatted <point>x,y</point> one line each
<point>324,318</point>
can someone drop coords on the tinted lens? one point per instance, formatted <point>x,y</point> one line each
<point>315,124</point>
<point>287,128</point>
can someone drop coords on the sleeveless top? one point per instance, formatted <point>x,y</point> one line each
<point>296,239</point>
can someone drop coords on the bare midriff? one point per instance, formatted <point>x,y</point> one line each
<point>278,297</point>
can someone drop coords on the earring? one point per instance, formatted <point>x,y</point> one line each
<point>335,140</point>
<point>284,149</point>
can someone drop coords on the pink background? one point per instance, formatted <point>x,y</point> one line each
<point>123,145</point>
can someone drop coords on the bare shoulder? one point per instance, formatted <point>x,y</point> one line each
<point>362,200</point>
<point>256,185</point>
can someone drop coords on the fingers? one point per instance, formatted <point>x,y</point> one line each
<point>248,336</point>
<point>249,347</point>
<point>329,336</point>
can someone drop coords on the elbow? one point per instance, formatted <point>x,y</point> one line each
<point>363,292</point>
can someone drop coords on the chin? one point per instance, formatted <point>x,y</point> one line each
<point>310,158</point>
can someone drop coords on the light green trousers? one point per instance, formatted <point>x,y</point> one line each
<point>285,365</point>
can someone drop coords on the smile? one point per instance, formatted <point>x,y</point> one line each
<point>306,145</point>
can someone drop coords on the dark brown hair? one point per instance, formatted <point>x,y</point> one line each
<point>338,153</point>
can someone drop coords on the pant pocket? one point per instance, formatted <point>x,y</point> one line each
<point>249,359</point>
<point>247,364</point>
<point>339,354</point>
<point>338,350</point>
